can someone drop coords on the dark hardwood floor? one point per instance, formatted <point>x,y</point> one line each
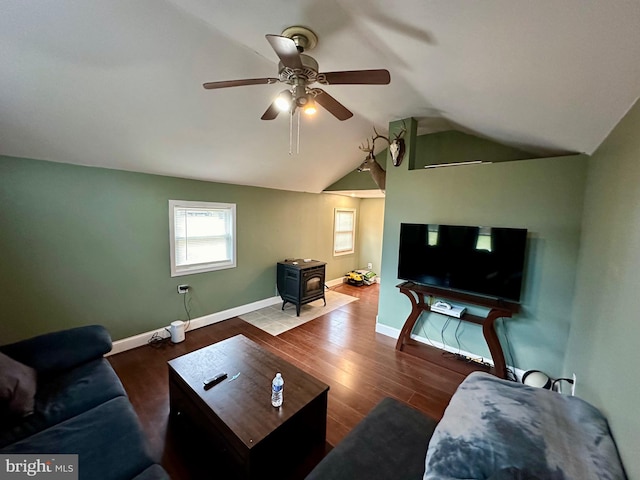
<point>340,348</point>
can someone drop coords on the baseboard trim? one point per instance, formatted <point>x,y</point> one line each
<point>387,330</point>
<point>395,333</point>
<point>334,282</point>
<point>141,339</point>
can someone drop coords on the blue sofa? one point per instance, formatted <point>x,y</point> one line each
<point>80,406</point>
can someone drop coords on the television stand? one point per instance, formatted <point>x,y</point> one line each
<point>498,309</point>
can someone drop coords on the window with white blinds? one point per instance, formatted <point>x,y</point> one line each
<point>344,231</point>
<point>202,236</point>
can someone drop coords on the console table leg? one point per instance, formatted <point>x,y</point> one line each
<point>407,328</point>
<point>491,337</point>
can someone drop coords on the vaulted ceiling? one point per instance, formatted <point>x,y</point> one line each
<point>118,83</point>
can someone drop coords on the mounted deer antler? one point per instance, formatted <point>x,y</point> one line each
<point>396,146</point>
<point>370,165</point>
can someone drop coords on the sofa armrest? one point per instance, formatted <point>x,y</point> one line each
<point>61,350</point>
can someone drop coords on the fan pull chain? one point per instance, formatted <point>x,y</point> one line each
<point>298,140</point>
<point>291,115</point>
<point>290,133</point>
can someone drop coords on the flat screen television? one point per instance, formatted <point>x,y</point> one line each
<point>486,261</point>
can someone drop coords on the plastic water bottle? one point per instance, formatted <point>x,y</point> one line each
<point>277,387</point>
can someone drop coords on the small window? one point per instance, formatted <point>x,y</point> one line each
<point>202,236</point>
<point>344,236</point>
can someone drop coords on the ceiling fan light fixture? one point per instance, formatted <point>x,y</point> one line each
<point>310,107</point>
<point>283,101</point>
<point>300,71</point>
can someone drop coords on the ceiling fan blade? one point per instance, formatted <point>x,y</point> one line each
<point>332,105</point>
<point>271,112</point>
<point>286,50</point>
<point>358,77</point>
<point>240,83</point>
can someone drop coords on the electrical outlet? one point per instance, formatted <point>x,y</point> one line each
<point>369,266</point>
<point>182,289</point>
<point>573,387</point>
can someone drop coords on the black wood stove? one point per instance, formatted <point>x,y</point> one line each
<point>301,282</point>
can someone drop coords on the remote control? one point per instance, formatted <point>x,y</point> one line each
<point>210,382</point>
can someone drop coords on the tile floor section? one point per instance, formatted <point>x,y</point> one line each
<point>275,321</point>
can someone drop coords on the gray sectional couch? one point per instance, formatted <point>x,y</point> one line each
<point>493,429</point>
<point>79,407</point>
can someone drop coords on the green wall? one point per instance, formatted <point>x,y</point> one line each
<point>354,181</point>
<point>454,146</point>
<point>603,348</point>
<point>86,245</point>
<point>543,195</point>
<point>370,233</point>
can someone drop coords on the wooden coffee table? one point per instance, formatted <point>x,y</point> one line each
<point>237,414</point>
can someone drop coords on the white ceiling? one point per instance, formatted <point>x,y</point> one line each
<point>118,83</point>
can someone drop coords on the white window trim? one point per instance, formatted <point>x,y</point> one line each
<point>353,243</point>
<point>177,271</point>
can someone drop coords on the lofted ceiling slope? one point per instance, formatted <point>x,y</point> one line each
<point>118,84</point>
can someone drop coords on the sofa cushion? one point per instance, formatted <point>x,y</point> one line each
<point>154,472</point>
<point>494,428</point>
<point>59,351</point>
<point>388,444</point>
<point>64,395</point>
<point>107,439</point>
<point>17,388</point>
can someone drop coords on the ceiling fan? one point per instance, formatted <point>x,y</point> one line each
<point>300,71</point>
